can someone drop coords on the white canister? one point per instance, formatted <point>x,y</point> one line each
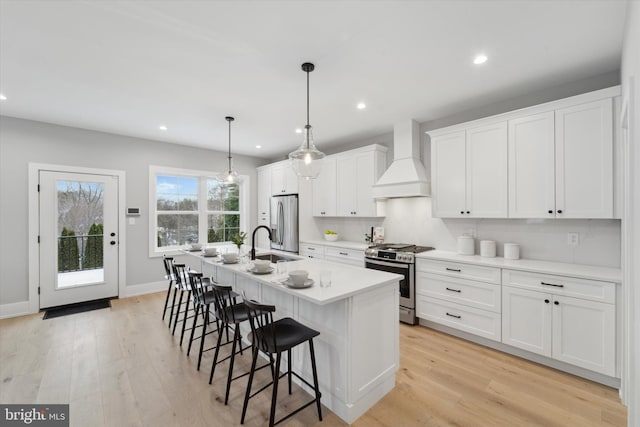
<point>466,245</point>
<point>488,248</point>
<point>511,251</point>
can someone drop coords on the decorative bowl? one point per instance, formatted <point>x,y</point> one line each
<point>261,264</point>
<point>195,246</point>
<point>230,257</point>
<point>331,237</point>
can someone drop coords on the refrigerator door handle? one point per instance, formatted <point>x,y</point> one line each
<point>281,222</point>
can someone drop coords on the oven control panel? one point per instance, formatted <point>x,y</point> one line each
<point>406,257</point>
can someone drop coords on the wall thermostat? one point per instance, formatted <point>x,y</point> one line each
<point>133,211</point>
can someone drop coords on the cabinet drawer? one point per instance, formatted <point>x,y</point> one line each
<point>486,296</point>
<point>472,320</point>
<point>560,285</point>
<point>344,253</point>
<point>309,249</point>
<point>464,271</point>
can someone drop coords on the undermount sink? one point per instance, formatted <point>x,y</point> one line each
<point>275,257</point>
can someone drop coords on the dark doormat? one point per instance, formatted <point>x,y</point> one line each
<point>80,307</point>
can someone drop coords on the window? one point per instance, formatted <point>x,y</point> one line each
<point>192,207</point>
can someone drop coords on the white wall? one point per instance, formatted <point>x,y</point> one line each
<point>631,262</point>
<point>24,141</point>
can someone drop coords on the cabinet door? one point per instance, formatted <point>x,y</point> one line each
<point>264,192</point>
<point>263,238</point>
<point>584,160</point>
<point>277,179</point>
<point>290,179</point>
<point>365,178</point>
<point>448,175</point>
<point>526,320</point>
<point>346,186</point>
<point>584,334</point>
<point>532,167</point>
<point>486,176</point>
<point>324,189</point>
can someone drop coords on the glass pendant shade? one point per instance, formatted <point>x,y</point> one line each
<point>305,159</point>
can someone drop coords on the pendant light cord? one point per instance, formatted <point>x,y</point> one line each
<point>308,126</point>
<point>229,157</point>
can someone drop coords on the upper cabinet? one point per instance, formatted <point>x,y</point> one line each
<point>324,189</point>
<point>554,160</point>
<point>283,179</point>
<point>344,186</point>
<point>469,173</point>
<point>264,192</point>
<point>561,163</point>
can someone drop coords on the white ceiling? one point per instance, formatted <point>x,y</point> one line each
<point>127,67</point>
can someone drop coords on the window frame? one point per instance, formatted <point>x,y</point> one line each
<point>202,212</point>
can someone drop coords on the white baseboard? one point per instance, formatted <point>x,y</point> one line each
<point>144,288</point>
<point>14,309</point>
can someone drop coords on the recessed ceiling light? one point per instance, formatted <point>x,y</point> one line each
<point>258,146</point>
<point>480,59</point>
<point>361,106</point>
<point>298,130</point>
<point>163,128</point>
<point>2,97</point>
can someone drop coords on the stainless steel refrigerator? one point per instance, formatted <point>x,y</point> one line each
<point>284,223</point>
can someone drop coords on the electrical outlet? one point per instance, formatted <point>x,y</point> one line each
<point>573,239</point>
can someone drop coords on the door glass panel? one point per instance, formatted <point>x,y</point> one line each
<point>80,233</point>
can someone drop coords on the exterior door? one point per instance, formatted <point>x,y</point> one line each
<point>78,250</point>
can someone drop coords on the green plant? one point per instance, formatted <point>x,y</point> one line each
<point>330,232</point>
<point>367,238</point>
<point>239,238</point>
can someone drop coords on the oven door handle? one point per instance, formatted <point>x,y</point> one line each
<point>387,264</point>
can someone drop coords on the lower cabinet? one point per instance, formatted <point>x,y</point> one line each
<point>311,250</point>
<point>572,330</point>
<point>565,318</point>
<point>452,299</point>
<point>332,253</point>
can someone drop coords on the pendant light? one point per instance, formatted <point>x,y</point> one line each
<point>305,159</point>
<point>231,176</point>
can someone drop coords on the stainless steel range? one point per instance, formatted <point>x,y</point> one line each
<point>400,259</point>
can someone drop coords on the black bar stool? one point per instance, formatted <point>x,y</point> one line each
<point>203,297</point>
<point>274,338</point>
<point>181,285</point>
<point>230,313</point>
<point>168,274</point>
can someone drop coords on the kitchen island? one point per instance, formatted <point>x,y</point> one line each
<point>357,351</point>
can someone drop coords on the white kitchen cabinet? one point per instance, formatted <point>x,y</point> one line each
<point>356,173</point>
<point>264,192</point>
<point>532,183</point>
<point>344,255</point>
<point>538,316</point>
<point>561,163</point>
<point>445,294</point>
<point>311,251</point>
<point>584,160</point>
<point>325,188</point>
<point>469,173</point>
<point>283,179</point>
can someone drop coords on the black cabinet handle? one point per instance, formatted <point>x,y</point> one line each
<point>343,253</point>
<point>550,211</point>
<point>453,269</point>
<point>112,234</point>
<point>560,211</point>
<point>556,303</point>
<point>462,212</point>
<point>113,242</point>
<point>453,315</point>
<point>552,284</point>
<point>311,249</point>
<point>546,301</point>
<point>468,212</point>
<point>453,290</point>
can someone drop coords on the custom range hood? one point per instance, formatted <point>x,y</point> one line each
<point>406,176</point>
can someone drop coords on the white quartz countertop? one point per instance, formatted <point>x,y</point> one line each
<point>608,274</point>
<point>338,244</point>
<point>346,280</point>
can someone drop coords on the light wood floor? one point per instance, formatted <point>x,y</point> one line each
<point>121,367</point>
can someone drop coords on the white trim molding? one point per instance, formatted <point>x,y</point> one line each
<point>144,288</point>
<point>14,309</point>
<point>34,227</point>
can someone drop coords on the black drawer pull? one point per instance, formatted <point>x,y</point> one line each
<point>454,315</point>
<point>311,249</point>
<point>552,284</point>
<point>454,290</point>
<point>556,303</point>
<point>453,269</point>
<point>343,253</point>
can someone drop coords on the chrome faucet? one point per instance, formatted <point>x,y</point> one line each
<point>253,239</point>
